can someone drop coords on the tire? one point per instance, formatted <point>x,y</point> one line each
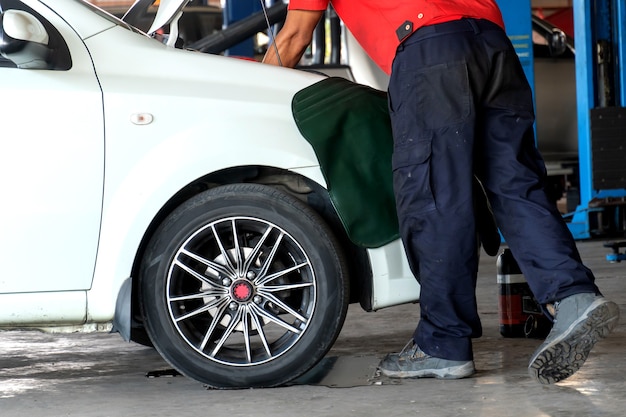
<point>256,311</point>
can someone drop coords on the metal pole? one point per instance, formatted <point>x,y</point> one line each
<point>585,93</point>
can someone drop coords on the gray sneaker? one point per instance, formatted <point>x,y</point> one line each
<point>413,363</point>
<point>580,321</point>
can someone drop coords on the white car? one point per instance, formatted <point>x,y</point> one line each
<point>169,190</point>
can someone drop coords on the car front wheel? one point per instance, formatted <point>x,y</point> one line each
<point>243,286</point>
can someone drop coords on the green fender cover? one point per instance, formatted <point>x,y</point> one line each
<point>348,126</point>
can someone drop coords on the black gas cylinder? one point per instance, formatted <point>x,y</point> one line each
<point>520,314</point>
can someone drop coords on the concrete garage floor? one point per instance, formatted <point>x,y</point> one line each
<point>100,375</point>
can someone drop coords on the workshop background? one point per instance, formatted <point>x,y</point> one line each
<point>99,374</point>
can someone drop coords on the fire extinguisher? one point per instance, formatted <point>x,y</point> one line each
<point>520,314</point>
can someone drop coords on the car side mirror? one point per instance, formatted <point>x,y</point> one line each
<point>557,42</point>
<point>24,40</point>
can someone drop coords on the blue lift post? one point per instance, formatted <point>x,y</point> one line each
<point>233,11</point>
<point>600,36</point>
<point>601,97</point>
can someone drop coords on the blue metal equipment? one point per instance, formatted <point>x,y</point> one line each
<point>600,27</point>
<point>616,255</point>
<point>233,11</point>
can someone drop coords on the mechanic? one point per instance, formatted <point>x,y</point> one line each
<point>461,106</point>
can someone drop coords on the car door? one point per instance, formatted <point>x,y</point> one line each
<point>51,165</point>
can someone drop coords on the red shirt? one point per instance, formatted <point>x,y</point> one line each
<point>381,25</point>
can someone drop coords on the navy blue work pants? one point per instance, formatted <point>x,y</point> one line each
<point>461,106</point>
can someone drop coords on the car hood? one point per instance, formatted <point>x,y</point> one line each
<point>134,60</point>
<point>147,61</point>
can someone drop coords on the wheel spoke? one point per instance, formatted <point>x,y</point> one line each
<point>265,279</point>
<point>259,327</point>
<point>246,334</point>
<point>204,294</point>
<point>219,314</point>
<point>238,253</point>
<point>223,252</point>
<point>273,318</point>
<point>236,319</point>
<point>286,287</point>
<point>270,256</point>
<point>204,308</point>
<point>277,301</point>
<point>217,268</point>
<point>252,256</point>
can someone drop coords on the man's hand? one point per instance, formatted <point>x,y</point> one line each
<point>293,38</point>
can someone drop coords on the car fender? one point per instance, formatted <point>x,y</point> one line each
<point>198,124</point>
<point>131,204</point>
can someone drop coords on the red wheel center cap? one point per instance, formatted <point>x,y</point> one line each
<point>242,291</point>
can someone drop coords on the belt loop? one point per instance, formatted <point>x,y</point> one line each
<point>474,26</point>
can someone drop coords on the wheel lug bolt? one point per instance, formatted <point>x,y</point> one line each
<point>233,305</point>
<point>257,299</point>
<point>226,282</point>
<point>250,275</point>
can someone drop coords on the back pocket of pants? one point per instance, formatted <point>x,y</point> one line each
<point>442,95</point>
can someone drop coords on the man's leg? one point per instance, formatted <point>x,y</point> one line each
<point>513,175</point>
<point>433,119</point>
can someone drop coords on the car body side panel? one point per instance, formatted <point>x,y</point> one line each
<point>51,169</point>
<point>393,280</point>
<point>59,308</point>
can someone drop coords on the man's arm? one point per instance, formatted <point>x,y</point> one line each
<point>294,37</point>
